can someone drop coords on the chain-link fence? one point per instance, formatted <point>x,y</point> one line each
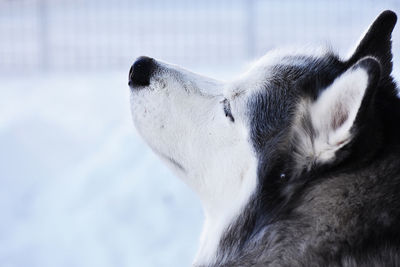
<point>100,34</point>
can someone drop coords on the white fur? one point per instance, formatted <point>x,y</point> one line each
<point>344,95</point>
<point>181,118</point>
<point>342,99</point>
<point>259,71</point>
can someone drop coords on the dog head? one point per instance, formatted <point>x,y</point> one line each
<point>290,115</point>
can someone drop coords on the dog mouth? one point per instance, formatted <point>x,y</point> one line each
<point>174,163</point>
<point>169,159</point>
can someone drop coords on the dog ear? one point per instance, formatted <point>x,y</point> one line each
<point>377,42</point>
<point>340,107</point>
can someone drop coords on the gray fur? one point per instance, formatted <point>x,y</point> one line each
<point>344,213</point>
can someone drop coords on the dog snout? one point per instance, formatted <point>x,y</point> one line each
<point>141,71</point>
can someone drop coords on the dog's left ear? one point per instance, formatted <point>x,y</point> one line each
<point>377,42</point>
<point>340,107</point>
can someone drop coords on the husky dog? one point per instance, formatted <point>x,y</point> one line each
<point>297,162</point>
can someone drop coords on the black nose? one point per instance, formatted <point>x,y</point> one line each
<point>141,71</point>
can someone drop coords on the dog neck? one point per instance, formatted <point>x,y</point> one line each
<point>223,200</point>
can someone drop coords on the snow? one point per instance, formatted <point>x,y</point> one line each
<point>78,185</point>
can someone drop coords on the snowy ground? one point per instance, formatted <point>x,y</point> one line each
<point>78,186</point>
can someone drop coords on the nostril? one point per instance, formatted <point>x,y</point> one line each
<point>141,71</point>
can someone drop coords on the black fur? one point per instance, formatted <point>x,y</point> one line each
<point>343,213</point>
<point>377,42</point>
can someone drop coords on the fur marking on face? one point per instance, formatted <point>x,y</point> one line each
<point>296,162</point>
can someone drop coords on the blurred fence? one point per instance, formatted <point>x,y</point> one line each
<point>100,34</point>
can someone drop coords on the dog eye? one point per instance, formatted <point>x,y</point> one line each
<point>227,109</point>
